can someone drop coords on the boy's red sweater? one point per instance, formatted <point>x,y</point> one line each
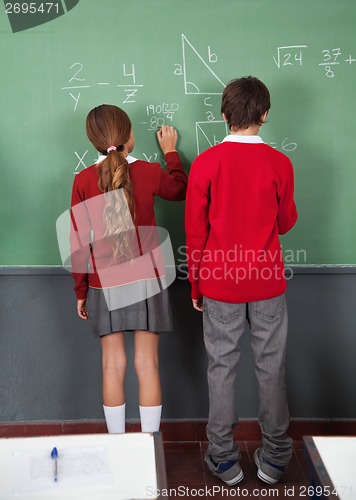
<point>148,180</point>
<point>239,198</point>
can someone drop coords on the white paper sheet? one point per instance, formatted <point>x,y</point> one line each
<point>79,467</point>
<point>339,457</point>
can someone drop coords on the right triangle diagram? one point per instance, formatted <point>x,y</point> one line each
<point>199,78</point>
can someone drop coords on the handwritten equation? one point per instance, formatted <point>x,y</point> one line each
<point>293,55</point>
<point>160,114</point>
<point>76,84</point>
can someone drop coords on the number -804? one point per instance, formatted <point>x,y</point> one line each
<point>31,8</point>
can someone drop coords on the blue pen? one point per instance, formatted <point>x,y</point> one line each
<point>54,456</point>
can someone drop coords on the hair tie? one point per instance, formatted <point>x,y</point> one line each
<point>111,148</point>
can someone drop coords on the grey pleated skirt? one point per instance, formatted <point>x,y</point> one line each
<point>129,307</point>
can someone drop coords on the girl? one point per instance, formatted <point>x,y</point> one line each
<point>110,202</point>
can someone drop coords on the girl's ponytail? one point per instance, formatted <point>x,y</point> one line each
<point>109,128</point>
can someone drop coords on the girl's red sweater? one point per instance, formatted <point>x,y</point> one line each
<point>87,223</point>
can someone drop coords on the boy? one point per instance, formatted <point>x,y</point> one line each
<point>240,197</point>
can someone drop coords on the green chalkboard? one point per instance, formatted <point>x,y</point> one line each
<point>167,62</point>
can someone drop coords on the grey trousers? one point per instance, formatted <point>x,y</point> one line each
<point>224,325</point>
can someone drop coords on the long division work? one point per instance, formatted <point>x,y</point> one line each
<point>160,114</point>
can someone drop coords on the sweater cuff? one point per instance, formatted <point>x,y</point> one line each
<point>196,294</point>
<point>81,294</point>
<point>173,152</point>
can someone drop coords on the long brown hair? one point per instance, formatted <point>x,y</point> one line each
<point>107,126</point>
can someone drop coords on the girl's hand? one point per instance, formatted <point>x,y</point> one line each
<point>82,308</point>
<point>167,138</point>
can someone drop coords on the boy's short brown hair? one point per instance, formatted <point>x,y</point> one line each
<point>244,102</point>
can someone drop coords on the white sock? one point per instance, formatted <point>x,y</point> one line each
<point>115,418</point>
<point>150,418</point>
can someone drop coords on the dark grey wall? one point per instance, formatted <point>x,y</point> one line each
<point>50,364</point>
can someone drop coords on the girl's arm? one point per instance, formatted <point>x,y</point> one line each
<point>79,242</point>
<point>172,185</point>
